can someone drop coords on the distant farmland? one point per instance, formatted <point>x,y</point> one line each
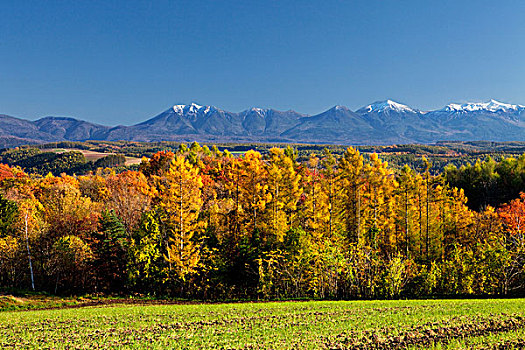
<point>93,155</point>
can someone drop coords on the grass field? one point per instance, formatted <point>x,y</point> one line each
<point>430,324</point>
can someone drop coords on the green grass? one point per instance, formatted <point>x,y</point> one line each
<point>424,324</point>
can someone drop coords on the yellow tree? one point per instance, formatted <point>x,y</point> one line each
<point>285,190</point>
<point>352,183</point>
<point>326,244</point>
<point>254,189</point>
<point>330,224</point>
<point>449,220</point>
<point>217,201</point>
<point>179,204</point>
<point>9,247</point>
<point>440,218</point>
<point>312,206</point>
<point>94,186</point>
<point>66,210</point>
<point>314,212</point>
<point>407,208</point>
<point>427,183</point>
<point>380,217</point>
<point>246,194</point>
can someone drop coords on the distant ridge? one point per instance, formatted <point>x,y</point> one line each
<point>382,122</point>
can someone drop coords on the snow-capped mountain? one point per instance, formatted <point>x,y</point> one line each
<point>383,122</point>
<point>398,122</point>
<point>192,108</point>
<point>193,121</point>
<point>492,120</point>
<point>386,106</point>
<point>491,106</point>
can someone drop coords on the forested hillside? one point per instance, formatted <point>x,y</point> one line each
<point>37,161</point>
<point>203,223</point>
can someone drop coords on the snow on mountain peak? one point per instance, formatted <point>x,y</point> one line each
<point>494,105</point>
<point>339,108</point>
<point>191,108</point>
<point>388,105</point>
<point>491,106</point>
<point>258,110</point>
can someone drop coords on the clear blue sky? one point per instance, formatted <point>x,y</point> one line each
<point>121,62</point>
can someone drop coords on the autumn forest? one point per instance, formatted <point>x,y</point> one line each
<point>207,224</point>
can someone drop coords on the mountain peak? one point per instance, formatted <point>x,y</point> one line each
<point>181,109</point>
<point>192,108</point>
<point>50,118</point>
<point>491,106</point>
<point>384,106</point>
<point>339,108</point>
<point>258,110</point>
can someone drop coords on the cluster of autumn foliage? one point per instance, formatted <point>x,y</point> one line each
<point>206,224</point>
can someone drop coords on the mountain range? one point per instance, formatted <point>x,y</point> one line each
<point>384,122</point>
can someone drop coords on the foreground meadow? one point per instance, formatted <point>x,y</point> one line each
<point>497,324</point>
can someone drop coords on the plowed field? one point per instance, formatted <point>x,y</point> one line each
<point>428,324</point>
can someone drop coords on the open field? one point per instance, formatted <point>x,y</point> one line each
<point>434,324</point>
<point>94,155</point>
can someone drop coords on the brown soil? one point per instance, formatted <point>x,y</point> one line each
<point>425,335</point>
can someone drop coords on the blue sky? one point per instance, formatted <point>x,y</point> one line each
<point>121,62</point>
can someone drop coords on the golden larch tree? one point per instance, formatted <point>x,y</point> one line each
<point>180,203</point>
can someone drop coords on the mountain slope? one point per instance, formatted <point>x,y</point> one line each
<point>337,125</point>
<point>14,129</point>
<point>207,123</point>
<point>70,128</point>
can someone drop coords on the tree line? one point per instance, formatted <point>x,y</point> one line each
<point>203,223</point>
<point>489,182</point>
<point>447,152</point>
